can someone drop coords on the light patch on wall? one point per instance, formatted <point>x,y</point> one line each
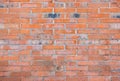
<point>115,26</point>
<point>1,26</point>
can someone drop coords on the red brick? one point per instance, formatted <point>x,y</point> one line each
<point>51,47</point>
<point>20,74</point>
<point>76,79</point>
<point>37,10</point>
<point>41,73</point>
<point>19,0</point>
<point>99,78</point>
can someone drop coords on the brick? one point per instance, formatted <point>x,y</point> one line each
<point>65,42</point>
<point>98,16</point>
<point>3,63</point>
<point>76,15</point>
<point>99,78</point>
<point>108,10</point>
<point>42,58</point>
<point>85,10</point>
<point>51,47</point>
<point>20,10</point>
<point>69,73</point>
<point>10,79</point>
<point>65,31</point>
<point>12,5</point>
<point>1,26</point>
<point>77,26</point>
<point>115,78</point>
<point>3,10</point>
<point>67,52</point>
<point>37,10</point>
<point>10,68</point>
<point>19,0</point>
<point>40,42</point>
<point>68,10</point>
<point>40,68</point>
<point>17,63</point>
<point>64,21</point>
<point>30,5</point>
<point>31,26</point>
<point>115,26</point>
<point>50,15</point>
<point>54,78</point>
<point>48,5</point>
<point>4,58</point>
<point>41,21</point>
<point>20,74</point>
<point>77,78</point>
<point>98,57</point>
<point>59,5</point>
<point>41,73</point>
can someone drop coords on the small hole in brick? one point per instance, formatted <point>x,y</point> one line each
<point>76,15</point>
<point>51,15</point>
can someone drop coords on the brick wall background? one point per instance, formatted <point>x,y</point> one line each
<point>59,40</point>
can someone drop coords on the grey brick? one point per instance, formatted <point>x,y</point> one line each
<point>83,37</point>
<point>45,4</point>
<point>115,26</point>
<point>95,0</point>
<point>2,5</point>
<point>105,0</point>
<point>1,26</point>
<point>89,42</point>
<point>39,42</point>
<point>59,5</point>
<point>2,42</point>
<point>116,70</point>
<point>84,4</point>
<point>69,5</point>
<point>12,5</point>
<point>44,36</point>
<point>101,0</point>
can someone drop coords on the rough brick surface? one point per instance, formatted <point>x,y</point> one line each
<point>59,40</point>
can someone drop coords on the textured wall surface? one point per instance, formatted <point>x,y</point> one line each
<point>59,40</point>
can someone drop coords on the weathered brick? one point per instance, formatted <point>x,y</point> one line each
<point>59,40</point>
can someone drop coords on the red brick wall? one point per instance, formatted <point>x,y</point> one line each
<point>59,40</point>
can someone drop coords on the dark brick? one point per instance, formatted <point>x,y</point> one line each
<point>118,16</point>
<point>76,15</point>
<point>53,15</point>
